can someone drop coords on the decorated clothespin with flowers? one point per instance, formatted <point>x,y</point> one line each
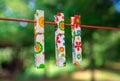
<point>39,46</point>
<point>60,40</point>
<point>76,40</point>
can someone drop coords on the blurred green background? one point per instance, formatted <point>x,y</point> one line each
<point>101,48</point>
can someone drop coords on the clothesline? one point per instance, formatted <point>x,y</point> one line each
<point>53,23</point>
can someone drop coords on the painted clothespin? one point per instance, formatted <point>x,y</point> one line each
<point>60,40</point>
<point>76,40</point>
<point>39,46</point>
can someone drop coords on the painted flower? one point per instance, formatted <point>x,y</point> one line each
<point>41,22</point>
<point>77,19</point>
<point>59,14</point>
<point>78,56</point>
<point>78,38</point>
<point>78,32</point>
<point>61,49</point>
<point>77,63</point>
<point>61,25</point>
<point>78,45</point>
<point>58,41</point>
<point>58,38</point>
<point>38,47</point>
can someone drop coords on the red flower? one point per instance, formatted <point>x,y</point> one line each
<point>76,19</point>
<point>59,14</point>
<point>78,45</point>
<point>58,38</point>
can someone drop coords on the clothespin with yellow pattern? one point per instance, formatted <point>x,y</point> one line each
<point>39,46</point>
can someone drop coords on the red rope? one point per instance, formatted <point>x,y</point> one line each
<point>53,23</point>
<point>100,27</point>
<point>18,20</point>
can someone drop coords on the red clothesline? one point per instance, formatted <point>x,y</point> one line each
<point>53,23</point>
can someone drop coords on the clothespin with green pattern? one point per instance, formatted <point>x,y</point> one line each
<point>39,46</point>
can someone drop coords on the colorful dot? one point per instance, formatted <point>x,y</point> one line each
<point>61,49</point>
<point>78,56</point>
<point>61,25</point>
<point>41,66</point>
<point>77,64</point>
<point>41,22</point>
<point>77,20</point>
<point>38,47</point>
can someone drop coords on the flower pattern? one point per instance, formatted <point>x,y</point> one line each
<point>41,22</point>
<point>38,47</point>
<point>77,63</point>
<point>61,25</point>
<point>78,32</point>
<point>76,40</point>
<point>61,49</point>
<point>76,19</point>
<point>60,40</point>
<point>39,39</point>
<point>78,56</point>
<point>78,45</point>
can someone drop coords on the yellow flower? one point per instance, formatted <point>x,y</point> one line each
<point>61,49</point>
<point>61,24</point>
<point>77,20</point>
<point>77,63</point>
<point>41,22</point>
